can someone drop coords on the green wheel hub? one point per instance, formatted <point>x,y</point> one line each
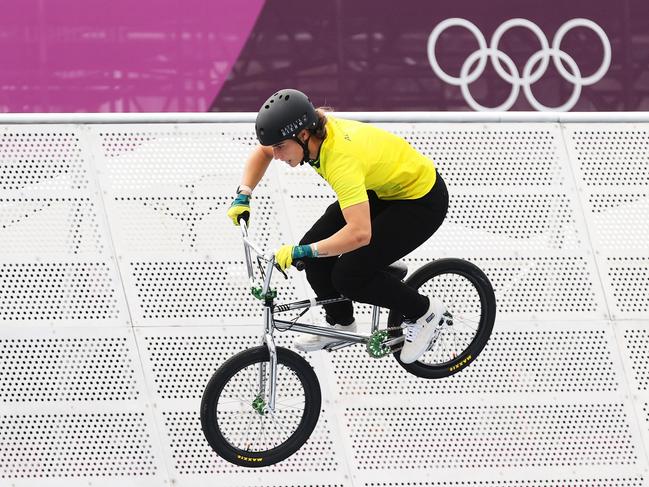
<point>259,404</point>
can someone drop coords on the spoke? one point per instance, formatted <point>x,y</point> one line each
<point>245,435</point>
<point>432,350</point>
<point>450,349</point>
<point>262,435</point>
<point>462,322</point>
<point>290,405</point>
<point>282,407</point>
<point>466,319</point>
<point>444,348</point>
<point>295,413</point>
<point>437,343</point>
<point>457,350</point>
<point>291,410</point>
<point>258,437</point>
<point>472,317</point>
<point>287,430</point>
<point>248,383</point>
<point>233,401</point>
<point>286,412</point>
<point>242,426</point>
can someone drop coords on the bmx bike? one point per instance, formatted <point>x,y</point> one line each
<point>262,404</point>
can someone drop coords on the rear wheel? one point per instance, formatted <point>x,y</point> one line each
<point>470,301</point>
<point>234,411</point>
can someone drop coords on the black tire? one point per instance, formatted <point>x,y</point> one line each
<point>294,373</point>
<point>424,280</point>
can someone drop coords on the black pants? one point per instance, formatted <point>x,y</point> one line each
<point>398,228</point>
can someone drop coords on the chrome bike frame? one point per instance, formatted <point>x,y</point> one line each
<point>346,338</point>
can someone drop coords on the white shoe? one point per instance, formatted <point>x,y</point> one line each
<point>310,343</point>
<point>420,333</point>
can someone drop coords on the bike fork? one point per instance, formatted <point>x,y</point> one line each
<point>270,343</point>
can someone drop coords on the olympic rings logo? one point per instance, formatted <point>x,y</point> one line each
<point>530,76</point>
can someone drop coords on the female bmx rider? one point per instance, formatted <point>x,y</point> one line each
<point>390,200</point>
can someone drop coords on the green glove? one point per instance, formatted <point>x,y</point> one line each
<point>287,253</point>
<point>240,207</point>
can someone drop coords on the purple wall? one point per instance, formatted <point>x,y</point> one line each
<point>119,55</point>
<point>229,55</point>
<point>372,55</point>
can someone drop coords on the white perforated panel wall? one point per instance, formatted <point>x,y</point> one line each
<point>123,287</point>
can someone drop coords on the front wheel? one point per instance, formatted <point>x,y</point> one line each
<point>470,301</point>
<point>235,416</point>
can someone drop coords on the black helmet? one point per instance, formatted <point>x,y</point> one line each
<point>283,115</point>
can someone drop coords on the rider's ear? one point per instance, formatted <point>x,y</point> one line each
<point>303,135</point>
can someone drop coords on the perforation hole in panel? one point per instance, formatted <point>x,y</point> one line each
<point>193,224</point>
<point>637,345</point>
<point>491,436</point>
<point>51,161</point>
<point>53,225</point>
<point>609,157</point>
<point>184,157</point>
<point>538,359</point>
<point>193,456</point>
<point>645,409</point>
<point>66,369</point>
<point>572,482</point>
<point>492,156</point>
<point>620,220</point>
<point>629,277</point>
<point>200,290</point>
<point>115,144</point>
<point>306,209</point>
<point>524,222</point>
<point>182,365</point>
<point>75,445</point>
<point>302,180</point>
<point>530,284</point>
<point>76,291</point>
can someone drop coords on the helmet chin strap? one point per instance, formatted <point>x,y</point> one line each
<point>305,149</point>
<point>305,158</point>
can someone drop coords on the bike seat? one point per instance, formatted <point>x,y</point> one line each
<point>398,269</point>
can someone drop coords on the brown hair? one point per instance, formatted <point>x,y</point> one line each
<point>320,130</point>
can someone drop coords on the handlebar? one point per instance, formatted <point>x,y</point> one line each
<point>298,264</point>
<point>245,216</point>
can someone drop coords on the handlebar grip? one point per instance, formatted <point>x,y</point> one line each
<point>244,216</point>
<point>298,264</point>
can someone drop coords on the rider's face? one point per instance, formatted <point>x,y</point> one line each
<point>288,151</point>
